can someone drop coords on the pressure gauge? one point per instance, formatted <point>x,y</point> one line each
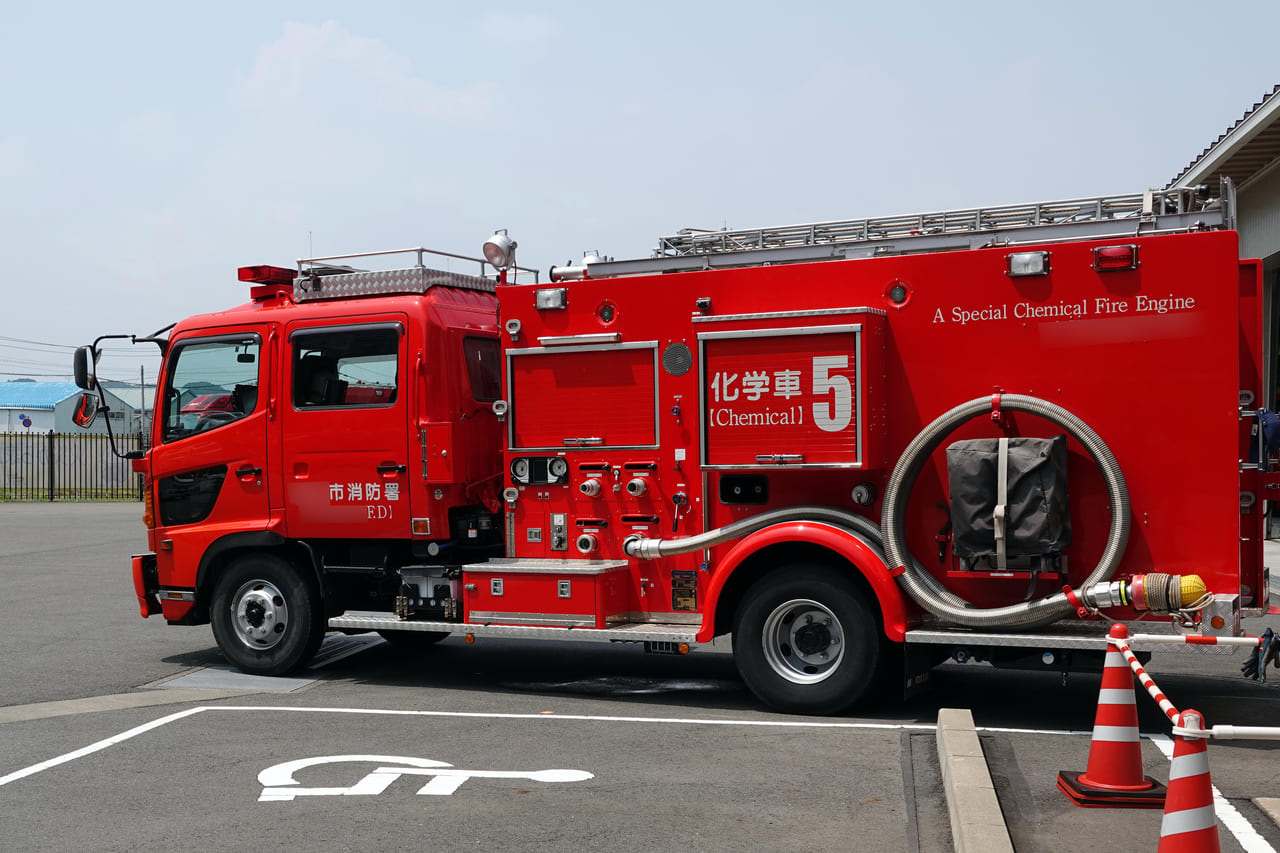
<point>557,467</point>
<point>520,470</point>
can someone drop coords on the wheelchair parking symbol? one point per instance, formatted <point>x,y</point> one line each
<point>279,784</point>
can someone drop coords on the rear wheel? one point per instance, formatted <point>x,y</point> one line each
<point>267,618</point>
<point>806,640</point>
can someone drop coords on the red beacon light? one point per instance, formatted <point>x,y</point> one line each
<point>271,281</point>
<point>1111,258</point>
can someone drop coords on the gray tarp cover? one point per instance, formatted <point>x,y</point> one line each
<point>1037,519</point>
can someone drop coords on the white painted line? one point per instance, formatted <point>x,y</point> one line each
<point>163,721</point>
<point>487,715</point>
<point>1237,824</point>
<point>98,747</point>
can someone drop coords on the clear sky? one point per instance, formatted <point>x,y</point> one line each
<point>147,149</point>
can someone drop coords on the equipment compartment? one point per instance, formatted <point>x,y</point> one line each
<point>563,593</point>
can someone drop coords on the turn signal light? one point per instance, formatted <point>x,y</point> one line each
<point>148,513</point>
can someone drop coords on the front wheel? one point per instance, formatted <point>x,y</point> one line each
<point>806,641</point>
<point>267,618</point>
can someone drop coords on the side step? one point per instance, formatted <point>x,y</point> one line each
<point>632,632</point>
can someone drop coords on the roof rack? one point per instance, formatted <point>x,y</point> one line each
<point>321,278</point>
<point>1153,211</point>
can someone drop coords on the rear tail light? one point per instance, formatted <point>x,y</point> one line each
<point>1109,258</point>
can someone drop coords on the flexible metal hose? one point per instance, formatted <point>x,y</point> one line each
<point>925,590</point>
<point>650,549</point>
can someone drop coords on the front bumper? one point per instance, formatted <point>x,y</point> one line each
<point>146,584</point>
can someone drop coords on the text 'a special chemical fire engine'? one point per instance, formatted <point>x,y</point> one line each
<point>858,447</point>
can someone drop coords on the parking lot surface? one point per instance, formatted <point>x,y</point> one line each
<point>123,734</point>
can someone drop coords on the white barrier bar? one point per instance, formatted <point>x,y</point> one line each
<point>1234,732</point>
<point>1144,641</point>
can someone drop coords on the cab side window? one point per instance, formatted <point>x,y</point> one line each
<point>347,366</point>
<point>211,383</point>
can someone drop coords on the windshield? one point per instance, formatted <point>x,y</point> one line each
<point>211,383</point>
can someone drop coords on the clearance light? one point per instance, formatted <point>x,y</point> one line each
<point>267,275</point>
<point>1027,263</point>
<point>1110,258</point>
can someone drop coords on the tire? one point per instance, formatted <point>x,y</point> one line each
<point>267,618</point>
<point>806,641</point>
<point>412,641</point>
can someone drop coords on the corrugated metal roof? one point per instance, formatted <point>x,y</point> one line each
<point>35,395</point>
<point>1243,150</point>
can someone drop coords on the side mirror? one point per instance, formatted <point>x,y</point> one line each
<point>86,408</point>
<point>83,368</point>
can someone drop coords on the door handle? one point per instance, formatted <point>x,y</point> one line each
<point>248,472</point>
<point>392,469</point>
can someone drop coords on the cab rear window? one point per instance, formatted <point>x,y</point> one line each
<point>482,368</point>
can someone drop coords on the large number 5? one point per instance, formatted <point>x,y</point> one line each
<point>837,416</point>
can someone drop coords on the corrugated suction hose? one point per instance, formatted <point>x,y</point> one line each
<point>924,589</point>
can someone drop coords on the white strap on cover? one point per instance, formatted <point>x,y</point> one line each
<point>1002,499</point>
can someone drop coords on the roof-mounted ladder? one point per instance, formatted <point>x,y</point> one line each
<point>1153,211</point>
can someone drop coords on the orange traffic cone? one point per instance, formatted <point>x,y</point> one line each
<point>1113,777</point>
<point>1189,824</point>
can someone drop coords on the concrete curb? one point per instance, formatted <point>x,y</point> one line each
<point>112,702</point>
<point>1269,806</point>
<point>977,824</point>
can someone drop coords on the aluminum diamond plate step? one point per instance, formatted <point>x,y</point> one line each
<point>634,632</point>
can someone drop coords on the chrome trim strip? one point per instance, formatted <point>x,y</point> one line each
<point>632,633</point>
<point>545,567</point>
<point>569,340</point>
<point>568,620</point>
<point>773,315</point>
<point>856,328</point>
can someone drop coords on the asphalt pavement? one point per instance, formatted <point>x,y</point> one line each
<point>124,733</point>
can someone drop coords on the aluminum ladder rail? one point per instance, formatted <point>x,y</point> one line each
<point>1153,211</point>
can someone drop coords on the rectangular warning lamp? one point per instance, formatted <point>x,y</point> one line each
<point>1027,263</point>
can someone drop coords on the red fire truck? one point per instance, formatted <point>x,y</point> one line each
<point>859,447</point>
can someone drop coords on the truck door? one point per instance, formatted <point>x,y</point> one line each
<point>209,462</point>
<point>345,428</point>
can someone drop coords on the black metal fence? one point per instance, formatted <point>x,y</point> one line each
<point>67,467</point>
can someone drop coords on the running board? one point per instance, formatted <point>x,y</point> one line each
<point>1073,640</point>
<point>632,632</point>
<point>1066,634</point>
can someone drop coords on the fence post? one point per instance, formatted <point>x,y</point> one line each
<point>51,465</point>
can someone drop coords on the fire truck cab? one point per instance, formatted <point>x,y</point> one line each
<point>858,447</point>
